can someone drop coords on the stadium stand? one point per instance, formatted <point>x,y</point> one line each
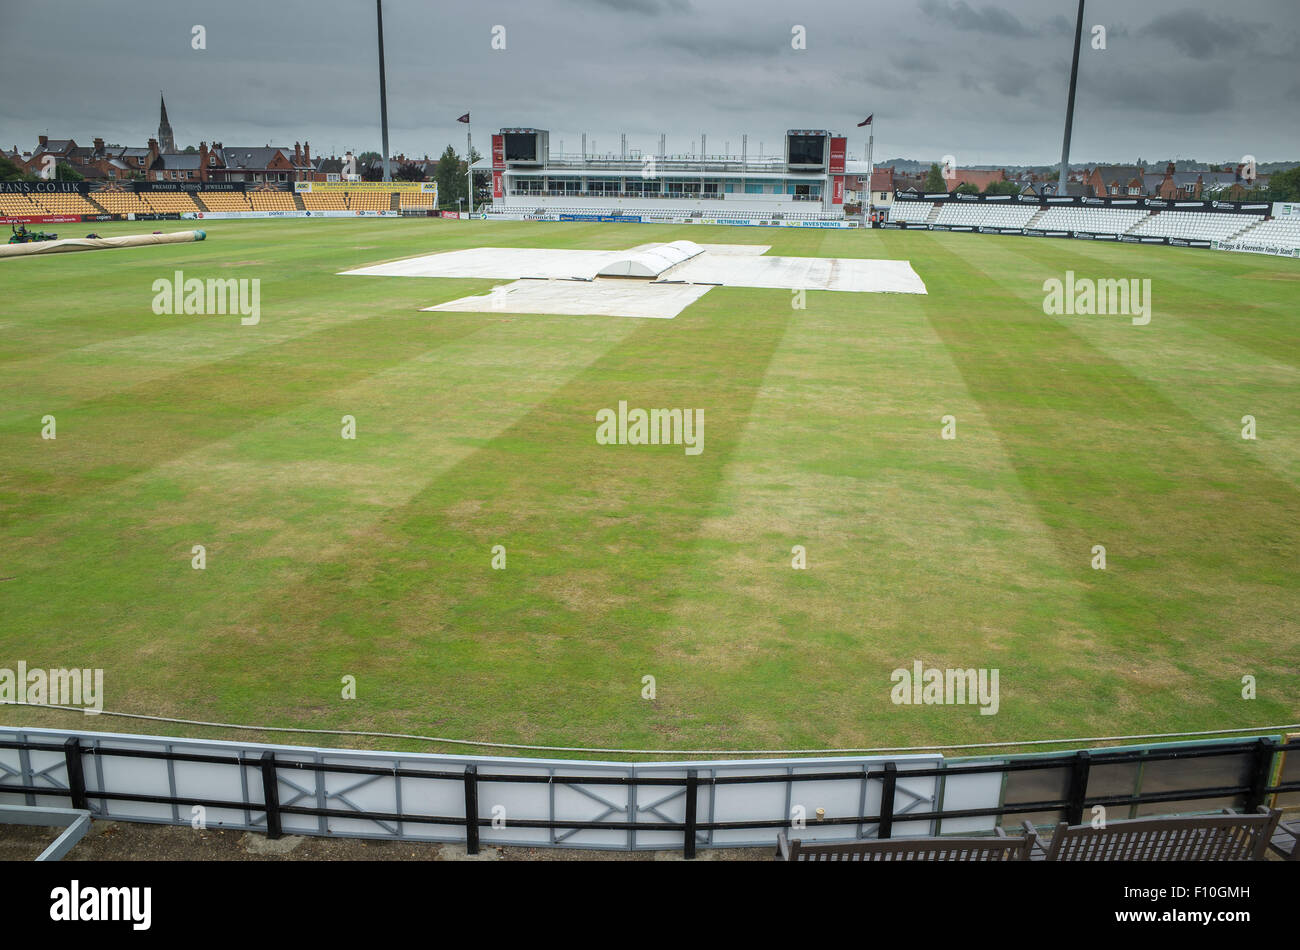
<point>1094,220</point>
<point>62,203</point>
<point>224,201</point>
<point>1284,232</point>
<point>13,203</point>
<point>1195,225</point>
<point>658,213</point>
<point>325,201</point>
<point>416,199</point>
<point>369,200</point>
<point>793,215</point>
<point>913,212</point>
<point>174,202</point>
<point>980,214</point>
<point>271,201</point>
<point>122,202</point>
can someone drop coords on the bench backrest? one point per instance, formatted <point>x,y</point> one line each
<point>915,849</point>
<point>1201,838</point>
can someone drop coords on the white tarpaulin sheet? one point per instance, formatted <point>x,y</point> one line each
<point>854,275</point>
<point>672,276</point>
<point>510,263</point>
<point>611,298</point>
<point>738,250</point>
<point>652,261</point>
<point>514,263</point>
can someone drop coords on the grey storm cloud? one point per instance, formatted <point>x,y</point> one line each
<point>989,19</point>
<point>1200,35</point>
<point>645,7</point>
<point>982,80</point>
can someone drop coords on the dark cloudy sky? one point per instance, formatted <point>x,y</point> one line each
<point>984,82</point>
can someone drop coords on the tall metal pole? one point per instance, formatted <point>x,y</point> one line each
<point>1069,108</point>
<point>871,141</point>
<point>383,87</point>
<point>469,165</point>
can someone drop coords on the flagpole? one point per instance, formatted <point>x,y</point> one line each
<point>871,141</point>
<point>469,164</point>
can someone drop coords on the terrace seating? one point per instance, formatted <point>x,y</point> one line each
<point>415,199</point>
<point>982,215</point>
<point>271,201</point>
<point>996,848</point>
<point>325,201</point>
<point>63,203</point>
<point>1284,232</point>
<point>369,200</point>
<point>1196,225</point>
<point>12,203</point>
<point>795,215</point>
<point>1093,220</point>
<point>170,202</point>
<point>224,201</point>
<point>1223,837</point>
<point>122,202</point>
<point>912,212</point>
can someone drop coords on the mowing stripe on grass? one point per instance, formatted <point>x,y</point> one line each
<point>597,539</point>
<point>1200,540</point>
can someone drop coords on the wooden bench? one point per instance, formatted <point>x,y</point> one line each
<point>1223,837</point>
<point>998,848</point>
<point>1286,841</point>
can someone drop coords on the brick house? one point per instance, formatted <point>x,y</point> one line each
<point>1117,181</point>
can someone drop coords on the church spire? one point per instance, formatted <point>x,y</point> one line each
<point>165,141</point>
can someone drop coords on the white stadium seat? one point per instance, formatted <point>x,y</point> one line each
<point>1094,220</point>
<point>1284,232</point>
<point>913,212</point>
<point>1196,225</point>
<point>983,215</point>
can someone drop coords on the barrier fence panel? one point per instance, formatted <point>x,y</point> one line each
<point>477,800</point>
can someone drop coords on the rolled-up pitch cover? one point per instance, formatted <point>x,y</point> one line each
<point>95,244</point>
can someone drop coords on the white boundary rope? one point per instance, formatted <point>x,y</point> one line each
<point>604,751</point>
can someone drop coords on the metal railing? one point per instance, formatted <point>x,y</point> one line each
<point>1197,779</point>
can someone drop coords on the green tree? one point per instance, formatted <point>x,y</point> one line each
<point>409,172</point>
<point>967,188</point>
<point>449,174</point>
<point>1282,186</point>
<point>934,181</point>
<point>65,172</point>
<point>11,172</point>
<point>1002,188</point>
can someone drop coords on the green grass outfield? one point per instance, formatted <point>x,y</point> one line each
<point>372,558</point>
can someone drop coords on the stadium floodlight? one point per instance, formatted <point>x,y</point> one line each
<point>1069,106</point>
<point>383,88</point>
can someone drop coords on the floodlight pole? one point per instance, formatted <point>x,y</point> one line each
<point>383,86</point>
<point>1069,107</point>
<point>469,165</point>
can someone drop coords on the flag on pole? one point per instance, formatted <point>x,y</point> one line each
<point>464,118</point>
<point>867,120</point>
